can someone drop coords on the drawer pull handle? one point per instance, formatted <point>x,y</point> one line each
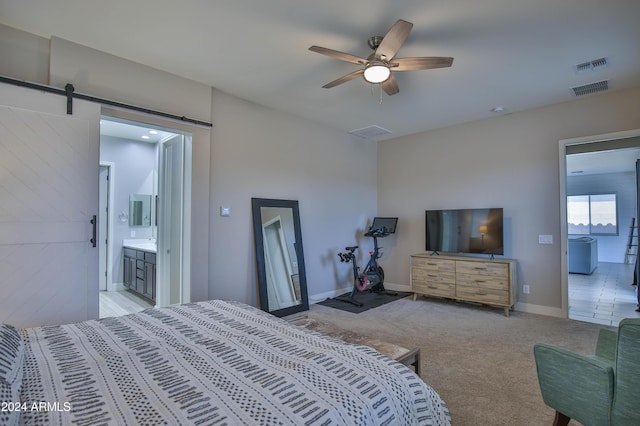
<point>480,281</point>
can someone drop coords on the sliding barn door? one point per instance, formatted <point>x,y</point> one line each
<point>49,164</point>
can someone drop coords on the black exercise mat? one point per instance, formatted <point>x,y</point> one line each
<point>368,299</point>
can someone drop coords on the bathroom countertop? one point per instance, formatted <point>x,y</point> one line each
<point>146,244</point>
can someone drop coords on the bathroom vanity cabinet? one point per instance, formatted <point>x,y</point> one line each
<point>140,273</point>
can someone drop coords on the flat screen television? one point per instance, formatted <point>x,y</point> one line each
<point>465,231</point>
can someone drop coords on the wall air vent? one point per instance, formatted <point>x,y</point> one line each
<point>588,89</point>
<point>370,132</point>
<point>594,65</point>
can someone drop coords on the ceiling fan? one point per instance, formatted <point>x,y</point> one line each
<point>379,65</point>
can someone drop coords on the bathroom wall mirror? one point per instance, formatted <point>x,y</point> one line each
<point>282,282</point>
<point>139,210</point>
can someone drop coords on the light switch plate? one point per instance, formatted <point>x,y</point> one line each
<point>545,239</point>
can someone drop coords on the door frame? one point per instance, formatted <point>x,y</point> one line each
<point>563,144</point>
<point>187,131</point>
<point>108,253</point>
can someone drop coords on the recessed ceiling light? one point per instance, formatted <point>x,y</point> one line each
<point>153,132</point>
<point>498,109</point>
<point>145,137</point>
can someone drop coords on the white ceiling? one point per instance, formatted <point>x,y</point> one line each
<point>518,54</point>
<point>133,131</point>
<point>614,161</point>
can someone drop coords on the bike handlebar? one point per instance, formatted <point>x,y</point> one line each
<point>380,232</point>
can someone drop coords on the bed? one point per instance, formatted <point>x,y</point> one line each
<point>205,363</point>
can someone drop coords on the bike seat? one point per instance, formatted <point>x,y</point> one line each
<point>351,248</point>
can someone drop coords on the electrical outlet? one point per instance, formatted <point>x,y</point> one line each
<point>525,289</point>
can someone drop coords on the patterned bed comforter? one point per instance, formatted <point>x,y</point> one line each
<point>213,363</point>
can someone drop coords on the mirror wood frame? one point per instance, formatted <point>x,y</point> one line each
<point>257,204</point>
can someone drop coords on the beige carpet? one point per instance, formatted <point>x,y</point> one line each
<point>478,360</point>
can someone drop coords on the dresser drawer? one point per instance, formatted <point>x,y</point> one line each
<point>422,275</point>
<point>483,281</point>
<point>482,268</point>
<point>433,264</point>
<point>435,288</point>
<point>482,295</point>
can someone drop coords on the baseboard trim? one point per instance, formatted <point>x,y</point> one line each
<point>317,298</point>
<point>397,287</point>
<point>540,310</point>
<point>115,287</point>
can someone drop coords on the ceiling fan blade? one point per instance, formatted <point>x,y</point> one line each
<point>393,40</point>
<point>338,55</point>
<point>390,85</point>
<point>413,64</point>
<point>343,79</point>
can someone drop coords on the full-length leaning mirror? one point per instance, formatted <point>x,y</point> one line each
<point>282,281</point>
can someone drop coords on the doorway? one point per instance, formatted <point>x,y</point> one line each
<point>598,179</point>
<point>145,171</point>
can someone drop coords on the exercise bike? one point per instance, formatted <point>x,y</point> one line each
<point>371,278</point>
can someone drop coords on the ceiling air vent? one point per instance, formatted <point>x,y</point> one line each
<point>370,132</point>
<point>594,65</point>
<point>587,89</point>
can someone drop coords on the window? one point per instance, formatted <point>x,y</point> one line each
<point>592,214</point>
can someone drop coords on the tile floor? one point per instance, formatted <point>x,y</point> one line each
<point>117,303</point>
<point>604,297</point>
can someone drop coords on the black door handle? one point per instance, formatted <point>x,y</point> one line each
<point>93,222</point>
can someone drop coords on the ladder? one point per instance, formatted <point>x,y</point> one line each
<point>630,242</point>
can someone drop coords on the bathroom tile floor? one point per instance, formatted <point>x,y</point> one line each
<point>117,303</point>
<point>604,297</point>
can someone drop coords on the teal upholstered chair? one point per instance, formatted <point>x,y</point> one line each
<point>601,389</point>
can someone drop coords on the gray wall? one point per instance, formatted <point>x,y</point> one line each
<point>258,152</point>
<point>610,248</point>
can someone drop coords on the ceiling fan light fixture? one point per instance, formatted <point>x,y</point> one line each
<point>376,73</point>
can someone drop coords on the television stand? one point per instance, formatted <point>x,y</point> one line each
<point>469,279</point>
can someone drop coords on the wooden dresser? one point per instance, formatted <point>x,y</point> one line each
<point>485,281</point>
